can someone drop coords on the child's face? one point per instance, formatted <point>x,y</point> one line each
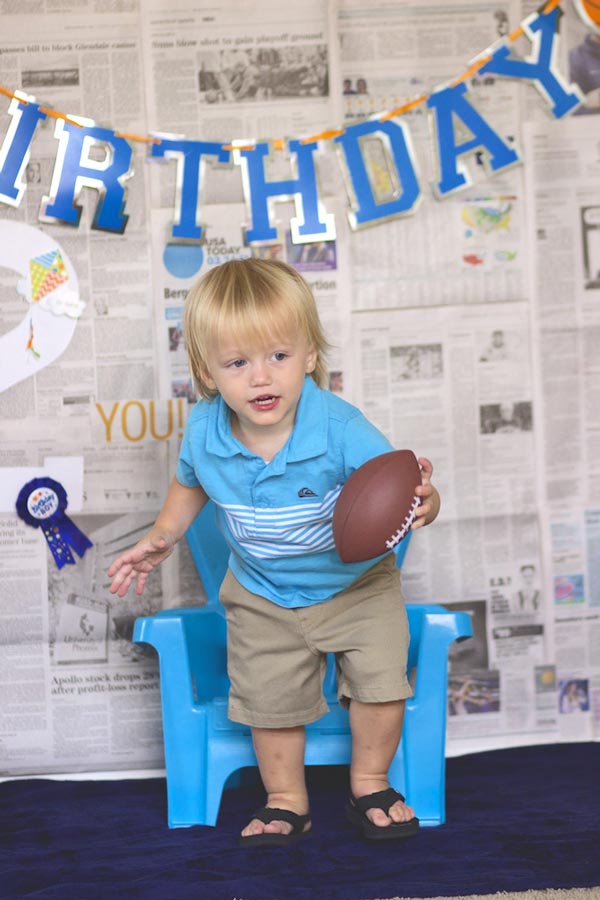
<point>261,384</point>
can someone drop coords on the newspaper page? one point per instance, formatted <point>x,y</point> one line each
<point>79,695</point>
<point>563,179</point>
<point>91,697</point>
<point>245,70</point>
<point>461,249</point>
<point>455,385</point>
<point>89,66</point>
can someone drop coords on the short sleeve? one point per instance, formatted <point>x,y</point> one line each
<point>362,442</point>
<point>185,472</point>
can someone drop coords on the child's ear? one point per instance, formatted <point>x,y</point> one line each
<point>208,379</point>
<point>311,360</point>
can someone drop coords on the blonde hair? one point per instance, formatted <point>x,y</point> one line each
<point>249,300</point>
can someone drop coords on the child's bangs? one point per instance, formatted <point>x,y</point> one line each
<point>257,319</point>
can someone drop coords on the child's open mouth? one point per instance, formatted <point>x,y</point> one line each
<point>264,402</point>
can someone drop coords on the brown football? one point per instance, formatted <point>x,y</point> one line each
<point>376,506</point>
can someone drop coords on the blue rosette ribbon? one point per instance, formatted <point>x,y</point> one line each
<point>41,504</point>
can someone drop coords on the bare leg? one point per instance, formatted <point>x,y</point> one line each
<point>376,731</point>
<point>280,755</point>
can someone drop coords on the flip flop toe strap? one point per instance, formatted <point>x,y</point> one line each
<point>379,800</point>
<point>268,814</point>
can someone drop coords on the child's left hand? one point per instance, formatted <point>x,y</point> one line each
<point>430,499</point>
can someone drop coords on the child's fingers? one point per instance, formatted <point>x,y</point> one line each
<point>141,583</point>
<point>426,467</point>
<point>125,584</point>
<point>136,564</point>
<point>420,513</point>
<point>114,567</point>
<point>124,561</point>
<point>117,577</point>
<point>122,579</point>
<point>136,555</point>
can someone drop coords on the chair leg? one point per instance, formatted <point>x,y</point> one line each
<point>194,800</point>
<point>186,765</point>
<point>214,793</point>
<point>220,764</point>
<point>185,803</point>
<point>424,749</point>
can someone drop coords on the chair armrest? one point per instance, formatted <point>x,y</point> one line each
<point>440,627</point>
<point>190,642</point>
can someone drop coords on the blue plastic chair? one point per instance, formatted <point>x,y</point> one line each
<point>203,748</point>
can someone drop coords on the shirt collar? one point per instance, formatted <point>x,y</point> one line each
<point>308,439</point>
<point>219,439</point>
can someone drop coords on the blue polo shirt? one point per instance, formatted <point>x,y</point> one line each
<point>277,517</point>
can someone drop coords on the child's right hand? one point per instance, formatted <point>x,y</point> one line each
<point>138,562</point>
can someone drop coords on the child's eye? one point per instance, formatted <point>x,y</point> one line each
<point>279,356</point>
<point>236,364</point>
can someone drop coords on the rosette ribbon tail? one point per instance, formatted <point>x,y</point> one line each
<point>61,536</point>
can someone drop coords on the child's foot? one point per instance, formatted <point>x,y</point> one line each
<point>380,812</point>
<point>274,826</point>
<point>399,811</point>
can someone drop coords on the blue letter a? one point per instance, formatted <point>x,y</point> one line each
<point>451,102</point>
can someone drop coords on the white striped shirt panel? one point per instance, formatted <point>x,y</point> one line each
<point>268,532</point>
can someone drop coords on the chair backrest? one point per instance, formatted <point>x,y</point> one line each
<point>209,550</point>
<point>211,553</point>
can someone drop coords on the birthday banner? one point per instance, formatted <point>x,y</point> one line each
<point>449,107</point>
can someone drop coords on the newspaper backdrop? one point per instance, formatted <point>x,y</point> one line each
<point>468,332</point>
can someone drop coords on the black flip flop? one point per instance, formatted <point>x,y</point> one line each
<point>356,813</point>
<point>271,814</point>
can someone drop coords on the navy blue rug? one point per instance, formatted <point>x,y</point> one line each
<point>517,819</point>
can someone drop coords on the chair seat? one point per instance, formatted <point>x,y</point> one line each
<point>219,719</point>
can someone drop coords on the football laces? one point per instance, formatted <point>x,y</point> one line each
<point>402,531</point>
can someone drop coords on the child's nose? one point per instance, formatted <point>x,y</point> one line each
<point>260,373</point>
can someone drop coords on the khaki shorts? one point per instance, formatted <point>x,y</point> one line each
<point>276,657</point>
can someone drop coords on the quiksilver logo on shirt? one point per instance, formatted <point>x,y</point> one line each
<point>306,492</point>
